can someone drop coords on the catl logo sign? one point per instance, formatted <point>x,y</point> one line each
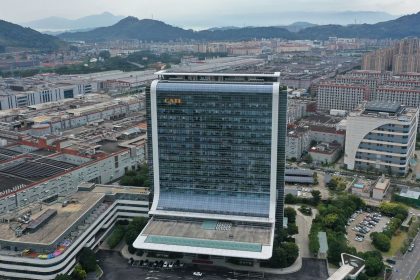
<point>173,101</point>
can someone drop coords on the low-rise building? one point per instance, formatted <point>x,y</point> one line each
<point>60,229</point>
<point>361,188</point>
<point>412,193</point>
<point>325,152</point>
<point>381,187</point>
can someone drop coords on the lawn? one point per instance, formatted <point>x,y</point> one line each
<point>418,276</point>
<point>397,242</point>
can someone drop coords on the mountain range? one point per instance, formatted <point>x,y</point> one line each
<point>281,17</point>
<point>63,24</point>
<point>153,30</point>
<point>13,35</point>
<point>294,27</point>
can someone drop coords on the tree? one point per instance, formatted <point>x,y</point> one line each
<point>337,244</point>
<point>336,184</point>
<point>292,252</point>
<point>331,220</point>
<point>284,255</point>
<point>392,209</point>
<point>308,158</point>
<point>292,229</point>
<point>281,235</point>
<point>134,229</point>
<point>63,277</point>
<point>316,197</point>
<point>381,241</point>
<point>332,184</point>
<point>313,239</point>
<point>116,236</point>
<point>290,213</point>
<point>290,199</point>
<point>79,273</point>
<point>87,260</point>
<point>373,262</point>
<point>362,276</point>
<point>105,54</point>
<point>315,176</point>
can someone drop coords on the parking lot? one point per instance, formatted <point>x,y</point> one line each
<point>364,243</point>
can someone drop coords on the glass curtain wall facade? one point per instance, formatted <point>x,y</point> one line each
<point>214,147</point>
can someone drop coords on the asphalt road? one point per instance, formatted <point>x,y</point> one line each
<point>117,268</point>
<point>408,266</point>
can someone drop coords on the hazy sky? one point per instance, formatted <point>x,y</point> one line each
<point>184,11</point>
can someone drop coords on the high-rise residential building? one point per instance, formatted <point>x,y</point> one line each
<point>340,96</point>
<point>379,60</point>
<point>403,57</point>
<point>381,136</point>
<point>403,63</point>
<point>217,151</point>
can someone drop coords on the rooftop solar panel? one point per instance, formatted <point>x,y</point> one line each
<point>32,170</point>
<point>56,163</point>
<point>8,152</point>
<point>297,179</point>
<point>299,172</point>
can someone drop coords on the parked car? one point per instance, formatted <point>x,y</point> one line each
<point>411,248</point>
<point>165,264</point>
<point>197,273</point>
<point>391,261</point>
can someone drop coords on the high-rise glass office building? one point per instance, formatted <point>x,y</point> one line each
<point>216,150</point>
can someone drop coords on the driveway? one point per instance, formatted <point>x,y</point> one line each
<point>117,268</point>
<point>304,224</point>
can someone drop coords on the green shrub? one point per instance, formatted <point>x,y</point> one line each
<point>381,241</point>
<point>87,260</point>
<point>116,236</point>
<point>290,213</point>
<point>393,209</point>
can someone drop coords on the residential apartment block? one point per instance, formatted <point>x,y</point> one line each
<point>340,96</point>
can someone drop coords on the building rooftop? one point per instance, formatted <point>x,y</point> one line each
<point>58,225</point>
<point>323,243</point>
<point>217,77</point>
<point>383,106</point>
<point>382,183</point>
<point>385,110</point>
<point>198,229</point>
<point>208,236</point>
<point>413,193</point>
<point>325,148</point>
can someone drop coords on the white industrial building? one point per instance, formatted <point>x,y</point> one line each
<point>381,136</point>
